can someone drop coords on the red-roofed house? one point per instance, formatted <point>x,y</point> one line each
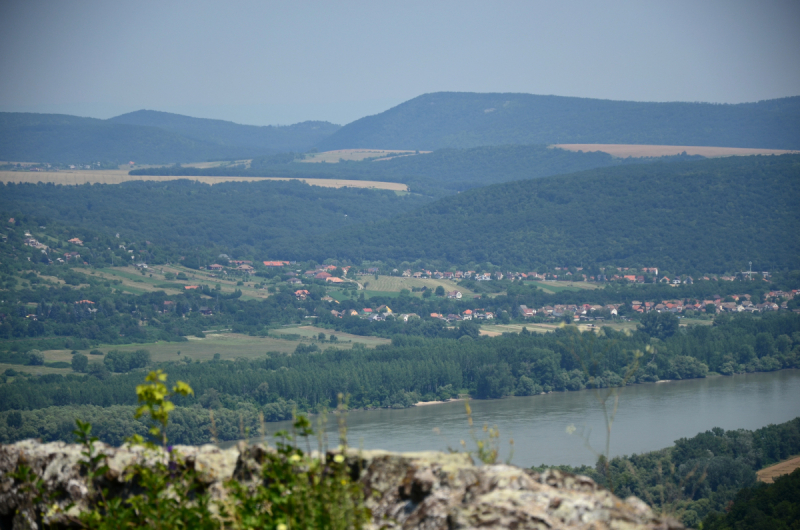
<point>301,294</point>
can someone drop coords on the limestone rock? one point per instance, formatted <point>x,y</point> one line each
<point>426,490</point>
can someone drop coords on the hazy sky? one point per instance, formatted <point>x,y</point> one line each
<point>265,62</point>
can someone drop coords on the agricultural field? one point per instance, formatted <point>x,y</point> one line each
<point>344,295</point>
<point>397,283</point>
<point>333,157</point>
<point>133,281</point>
<point>310,333</point>
<point>557,287</point>
<point>494,330</point>
<point>114,176</point>
<point>769,474</point>
<point>639,151</point>
<point>229,345</point>
<point>34,370</point>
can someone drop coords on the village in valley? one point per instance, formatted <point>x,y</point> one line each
<point>457,295</point>
<point>339,276</point>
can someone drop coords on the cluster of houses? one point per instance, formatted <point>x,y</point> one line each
<point>378,314</point>
<point>323,272</point>
<point>559,274</point>
<point>582,311</point>
<point>241,266</point>
<point>469,314</point>
<point>32,242</point>
<point>624,274</point>
<point>456,275</point>
<point>775,300</point>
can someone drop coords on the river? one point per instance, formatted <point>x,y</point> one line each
<point>649,417</point>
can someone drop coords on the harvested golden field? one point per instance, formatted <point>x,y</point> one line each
<point>639,151</point>
<point>333,157</point>
<point>769,474</point>
<point>118,176</point>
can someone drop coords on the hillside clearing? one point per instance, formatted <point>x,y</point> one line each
<point>553,287</point>
<point>154,279</point>
<point>230,346</point>
<point>769,474</point>
<point>115,176</point>
<point>493,330</point>
<point>640,151</point>
<point>398,283</point>
<point>333,157</point>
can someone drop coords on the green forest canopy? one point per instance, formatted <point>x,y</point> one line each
<point>238,216</point>
<point>706,216</point>
<point>697,216</point>
<point>439,173</point>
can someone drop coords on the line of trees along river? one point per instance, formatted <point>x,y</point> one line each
<point>409,370</point>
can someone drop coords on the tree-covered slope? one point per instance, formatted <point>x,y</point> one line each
<point>58,138</point>
<point>297,137</point>
<point>191,215</point>
<point>439,173</point>
<point>709,215</point>
<point>453,119</point>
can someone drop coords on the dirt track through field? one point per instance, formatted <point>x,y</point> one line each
<point>769,474</point>
<point>119,176</point>
<point>639,151</point>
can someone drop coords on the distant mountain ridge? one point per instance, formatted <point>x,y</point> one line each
<point>297,137</point>
<point>58,138</point>
<point>461,120</point>
<point>146,137</point>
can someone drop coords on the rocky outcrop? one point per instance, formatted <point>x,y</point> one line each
<point>427,490</point>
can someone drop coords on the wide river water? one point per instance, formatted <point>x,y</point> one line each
<point>649,417</point>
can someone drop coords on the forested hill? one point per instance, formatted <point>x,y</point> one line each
<point>146,137</point>
<point>63,139</point>
<point>297,137</point>
<point>463,119</point>
<point>439,173</point>
<point>705,216</point>
<point>240,217</point>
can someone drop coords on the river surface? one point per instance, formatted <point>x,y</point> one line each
<point>649,417</point>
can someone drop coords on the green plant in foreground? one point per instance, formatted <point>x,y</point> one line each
<point>487,449</point>
<point>295,489</point>
<point>154,399</point>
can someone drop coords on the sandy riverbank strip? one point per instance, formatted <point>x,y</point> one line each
<point>426,403</point>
